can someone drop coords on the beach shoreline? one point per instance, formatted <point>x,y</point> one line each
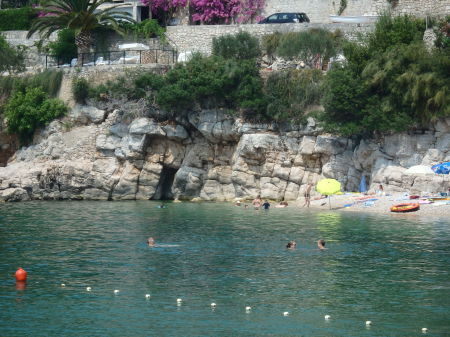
<point>357,202</point>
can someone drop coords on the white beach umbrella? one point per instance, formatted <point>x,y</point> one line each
<point>419,169</point>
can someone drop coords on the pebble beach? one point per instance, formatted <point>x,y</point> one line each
<point>356,202</point>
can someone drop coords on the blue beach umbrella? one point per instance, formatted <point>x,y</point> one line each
<point>442,168</point>
<point>363,185</point>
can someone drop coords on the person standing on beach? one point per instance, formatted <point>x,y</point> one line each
<point>380,191</point>
<point>308,195</point>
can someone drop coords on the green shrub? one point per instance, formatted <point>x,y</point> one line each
<point>144,29</point>
<point>17,18</point>
<point>442,32</point>
<point>64,48</point>
<point>393,31</point>
<point>270,43</point>
<point>49,81</point>
<point>307,45</point>
<point>344,101</point>
<point>80,90</point>
<point>404,87</point>
<point>147,84</point>
<point>120,88</point>
<point>213,81</point>
<point>390,82</point>
<point>11,58</point>
<point>28,110</point>
<point>241,46</point>
<point>290,93</point>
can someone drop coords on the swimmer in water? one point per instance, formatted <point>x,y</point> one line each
<point>257,202</point>
<point>321,244</point>
<point>291,244</point>
<point>151,242</point>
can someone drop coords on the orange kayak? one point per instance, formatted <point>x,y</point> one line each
<point>402,208</point>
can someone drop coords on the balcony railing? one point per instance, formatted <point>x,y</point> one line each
<point>156,55</point>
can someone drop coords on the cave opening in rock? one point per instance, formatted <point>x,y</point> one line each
<point>164,189</point>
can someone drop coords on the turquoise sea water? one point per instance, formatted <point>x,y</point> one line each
<point>391,270</point>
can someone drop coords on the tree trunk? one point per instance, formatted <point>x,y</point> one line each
<point>83,42</point>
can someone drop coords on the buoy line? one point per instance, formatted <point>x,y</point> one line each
<point>179,301</point>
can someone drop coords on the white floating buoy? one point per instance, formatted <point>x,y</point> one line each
<point>424,330</point>
<point>248,309</point>
<point>368,323</point>
<point>179,300</point>
<point>147,296</point>
<point>286,313</point>
<point>88,288</point>
<point>213,304</point>
<point>327,317</point>
<point>116,291</point>
<point>63,285</point>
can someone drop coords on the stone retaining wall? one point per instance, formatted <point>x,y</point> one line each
<point>320,10</point>
<point>199,38</point>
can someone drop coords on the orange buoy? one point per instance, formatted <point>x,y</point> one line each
<point>21,275</point>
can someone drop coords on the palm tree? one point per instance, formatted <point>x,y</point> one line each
<point>81,16</point>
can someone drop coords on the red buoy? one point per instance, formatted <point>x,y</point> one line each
<point>21,275</point>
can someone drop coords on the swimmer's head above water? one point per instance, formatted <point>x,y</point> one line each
<point>321,244</point>
<point>291,244</point>
<point>151,241</point>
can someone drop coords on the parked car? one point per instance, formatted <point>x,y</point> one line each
<point>286,18</point>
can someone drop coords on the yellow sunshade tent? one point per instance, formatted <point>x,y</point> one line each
<point>328,187</point>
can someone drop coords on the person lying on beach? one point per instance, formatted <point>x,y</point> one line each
<point>151,242</point>
<point>321,244</point>
<point>291,244</point>
<point>282,204</point>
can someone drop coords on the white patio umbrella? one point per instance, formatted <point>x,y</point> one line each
<point>419,169</point>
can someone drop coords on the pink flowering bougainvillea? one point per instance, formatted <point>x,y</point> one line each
<point>164,5</point>
<point>212,11</point>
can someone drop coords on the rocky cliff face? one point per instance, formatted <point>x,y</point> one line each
<point>210,156</point>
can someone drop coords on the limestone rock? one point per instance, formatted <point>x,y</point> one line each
<point>443,143</point>
<point>175,132</point>
<point>211,156</point>
<point>107,143</point>
<point>146,126</point>
<point>432,156</point>
<point>14,194</point>
<point>214,125</point>
<point>95,194</point>
<point>119,130</point>
<point>307,145</point>
<point>188,182</point>
<point>127,186</point>
<point>85,114</point>
<point>329,145</point>
<point>148,180</point>
<point>399,145</point>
